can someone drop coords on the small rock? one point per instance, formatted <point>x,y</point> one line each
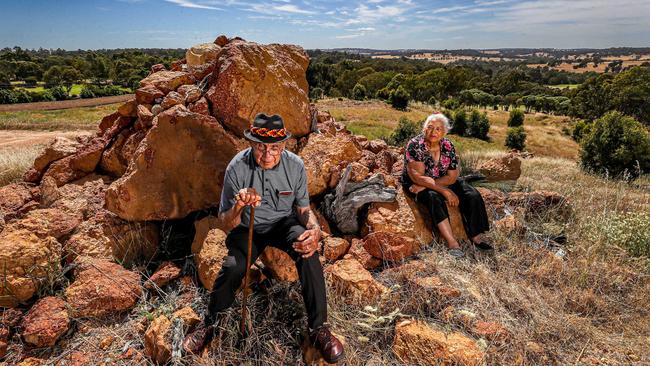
<point>102,288</point>
<point>492,331</point>
<point>377,146</point>
<point>279,264</point>
<point>129,109</point>
<point>358,252</point>
<point>507,167</point>
<point>389,246</point>
<point>172,99</point>
<point>157,340</point>
<point>166,272</point>
<point>417,342</point>
<point>335,248</point>
<point>353,282</point>
<point>45,322</point>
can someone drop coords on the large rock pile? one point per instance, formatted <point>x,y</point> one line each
<point>97,200</point>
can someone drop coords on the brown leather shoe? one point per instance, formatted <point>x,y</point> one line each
<point>198,338</point>
<point>329,346</point>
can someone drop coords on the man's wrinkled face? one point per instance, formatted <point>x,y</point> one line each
<point>267,155</point>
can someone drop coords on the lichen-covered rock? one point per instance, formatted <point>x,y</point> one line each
<point>167,81</point>
<point>402,217</point>
<point>209,249</point>
<point>250,78</point>
<point>353,282</point>
<point>322,154</point>
<point>81,163</point>
<point>45,322</point>
<point>107,236</point>
<point>101,288</point>
<point>417,342</point>
<point>507,167</point>
<point>85,196</point>
<point>201,53</point>
<point>165,182</point>
<point>335,248</point>
<point>279,264</point>
<point>27,261</point>
<point>389,246</point>
<point>164,274</point>
<point>157,340</point>
<point>13,197</point>
<point>48,222</point>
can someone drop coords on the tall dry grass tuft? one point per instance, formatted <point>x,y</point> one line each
<point>15,161</point>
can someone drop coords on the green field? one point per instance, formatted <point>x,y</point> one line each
<point>563,86</point>
<point>76,88</point>
<point>63,119</point>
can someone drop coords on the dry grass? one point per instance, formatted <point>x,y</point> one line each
<point>64,120</point>
<point>376,119</point>
<point>15,161</point>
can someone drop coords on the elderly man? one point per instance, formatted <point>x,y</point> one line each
<point>283,219</point>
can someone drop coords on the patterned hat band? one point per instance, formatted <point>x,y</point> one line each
<point>265,132</point>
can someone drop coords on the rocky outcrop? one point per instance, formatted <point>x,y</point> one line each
<point>166,183</point>
<point>322,154</point>
<point>108,237</point>
<point>16,199</point>
<point>250,78</point>
<point>45,322</point>
<point>507,167</point>
<point>417,342</point>
<point>201,54</point>
<point>102,288</point>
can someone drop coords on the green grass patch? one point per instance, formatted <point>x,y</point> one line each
<point>562,86</point>
<point>369,129</point>
<point>61,120</point>
<point>76,89</point>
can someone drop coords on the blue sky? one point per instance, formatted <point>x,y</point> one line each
<point>380,24</point>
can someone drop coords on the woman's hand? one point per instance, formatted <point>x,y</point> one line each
<point>414,188</point>
<point>451,198</point>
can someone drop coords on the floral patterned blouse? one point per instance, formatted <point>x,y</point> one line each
<point>416,150</point>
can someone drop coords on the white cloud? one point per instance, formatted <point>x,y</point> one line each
<point>292,9</point>
<point>192,5</point>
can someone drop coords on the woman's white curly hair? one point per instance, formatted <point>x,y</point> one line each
<point>440,117</point>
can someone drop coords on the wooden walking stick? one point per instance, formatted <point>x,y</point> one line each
<point>242,324</point>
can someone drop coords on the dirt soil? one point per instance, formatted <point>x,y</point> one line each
<point>64,104</point>
<point>22,138</point>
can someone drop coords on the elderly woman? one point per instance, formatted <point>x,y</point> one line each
<point>431,173</point>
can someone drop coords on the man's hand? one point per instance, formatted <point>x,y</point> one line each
<point>308,242</point>
<point>247,197</point>
<point>450,197</point>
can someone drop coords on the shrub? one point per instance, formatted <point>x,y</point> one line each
<point>7,97</point>
<point>405,130</point>
<point>22,96</point>
<point>516,118</point>
<point>41,96</point>
<point>359,92</point>
<point>478,125</point>
<point>315,94</point>
<point>399,98</point>
<point>59,93</point>
<point>616,144</point>
<point>459,126</point>
<point>432,101</point>
<point>516,138</point>
<point>627,230</point>
<point>581,128</point>
<point>87,92</point>
<point>451,103</point>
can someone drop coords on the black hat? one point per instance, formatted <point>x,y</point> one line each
<point>267,129</point>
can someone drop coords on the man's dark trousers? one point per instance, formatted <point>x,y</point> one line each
<point>281,236</point>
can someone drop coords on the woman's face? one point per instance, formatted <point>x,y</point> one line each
<point>434,131</point>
